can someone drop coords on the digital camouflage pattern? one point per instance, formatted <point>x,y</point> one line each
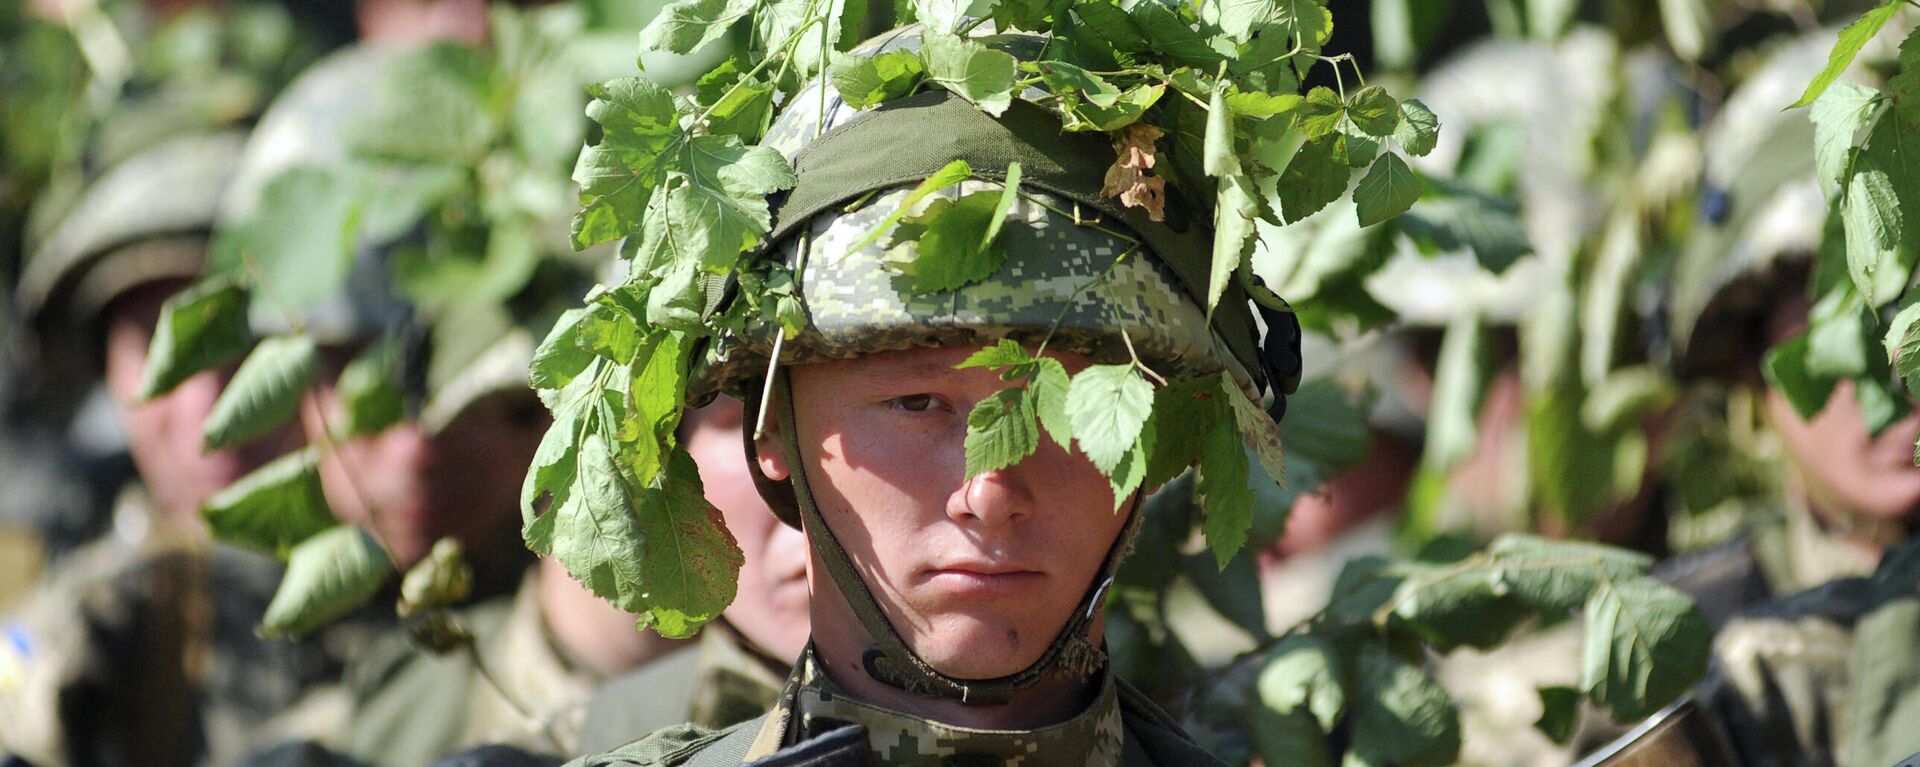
<point>858,304</point>
<point>1119,727</point>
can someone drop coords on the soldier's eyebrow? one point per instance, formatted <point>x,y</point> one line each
<point>908,373</point>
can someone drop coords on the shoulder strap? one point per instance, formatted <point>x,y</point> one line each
<point>730,749</point>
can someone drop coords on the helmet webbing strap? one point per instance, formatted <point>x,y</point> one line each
<point>890,661</point>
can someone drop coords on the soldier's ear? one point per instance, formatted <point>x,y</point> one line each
<point>768,453</point>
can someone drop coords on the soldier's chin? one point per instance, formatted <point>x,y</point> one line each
<point>966,647</point>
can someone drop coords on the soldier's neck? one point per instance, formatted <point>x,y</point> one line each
<point>1052,700</point>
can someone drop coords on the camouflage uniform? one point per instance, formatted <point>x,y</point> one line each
<point>719,682</point>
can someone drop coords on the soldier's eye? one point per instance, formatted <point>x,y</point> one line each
<point>915,403</point>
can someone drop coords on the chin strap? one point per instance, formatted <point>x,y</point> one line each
<point>889,660</point>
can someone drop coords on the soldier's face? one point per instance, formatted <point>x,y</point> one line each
<point>770,609</point>
<point>1845,469</point>
<point>413,488</point>
<point>977,575</point>
<point>163,435</point>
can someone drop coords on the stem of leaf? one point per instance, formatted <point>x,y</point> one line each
<point>480,664</point>
<point>1075,296</point>
<point>1077,221</point>
<point>1127,339</point>
<point>327,445</point>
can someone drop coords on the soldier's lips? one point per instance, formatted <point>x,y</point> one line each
<point>984,580</point>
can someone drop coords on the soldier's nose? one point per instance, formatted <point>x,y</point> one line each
<point>990,498</point>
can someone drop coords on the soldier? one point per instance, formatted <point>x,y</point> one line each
<point>1815,664</point>
<point>742,660</point>
<point>953,619</point>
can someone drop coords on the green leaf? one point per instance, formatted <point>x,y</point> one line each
<point>1455,605</point>
<point>264,392</point>
<point>1007,353</point>
<point>1388,190</point>
<point>1838,116</point>
<point>1355,149</point>
<point>1786,370</point>
<point>1645,646</point>
<point>1131,470</point>
<point>865,81</point>
<point>328,576</point>
<point>1903,346</point>
<point>719,210</point>
<point>1870,211</point>
<point>1185,412</point>
<point>1312,179</point>
<point>1217,153</point>
<point>1837,345</point>
<point>735,106</point>
<point>609,333</point>
<point>1400,716</point>
<point>1457,217</point>
<point>300,240</point>
<point>1419,128</point>
<point>941,247</point>
<point>1009,194</point>
<point>1374,111</point>
<point>1263,105</point>
<point>948,175</point>
<point>1107,405</point>
<point>691,564</point>
<point>1241,18</point>
<point>1000,432</point>
<point>1067,80</point>
<point>1459,380</point>
<point>1172,37</point>
<point>1308,22</point>
<point>1111,23</point>
<point>1257,429</point>
<point>273,507</point>
<point>977,73</point>
<point>1558,576</point>
<point>555,467</point>
<point>369,393</point>
<point>653,405</point>
<point>1226,497</point>
<point>1321,113</point>
<point>689,25</point>
<point>1127,110</point>
<point>638,127</point>
<point>200,328</point>
<point>1233,224</point>
<point>561,356</point>
<point>1559,713</point>
<point>941,17</point>
<point>1852,39</point>
<point>440,580</point>
<point>1302,673</point>
<point>1050,385</point>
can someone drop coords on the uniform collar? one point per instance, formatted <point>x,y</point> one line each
<point>815,705</point>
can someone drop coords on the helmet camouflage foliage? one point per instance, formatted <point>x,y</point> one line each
<point>1081,283</point>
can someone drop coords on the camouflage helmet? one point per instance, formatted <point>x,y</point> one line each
<point>857,304</point>
<point>313,129</point>
<point>1762,217</point>
<point>144,220</point>
<point>1063,278</point>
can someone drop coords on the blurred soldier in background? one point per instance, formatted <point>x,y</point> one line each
<point>449,206</point>
<point>1827,670</point>
<point>140,648</point>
